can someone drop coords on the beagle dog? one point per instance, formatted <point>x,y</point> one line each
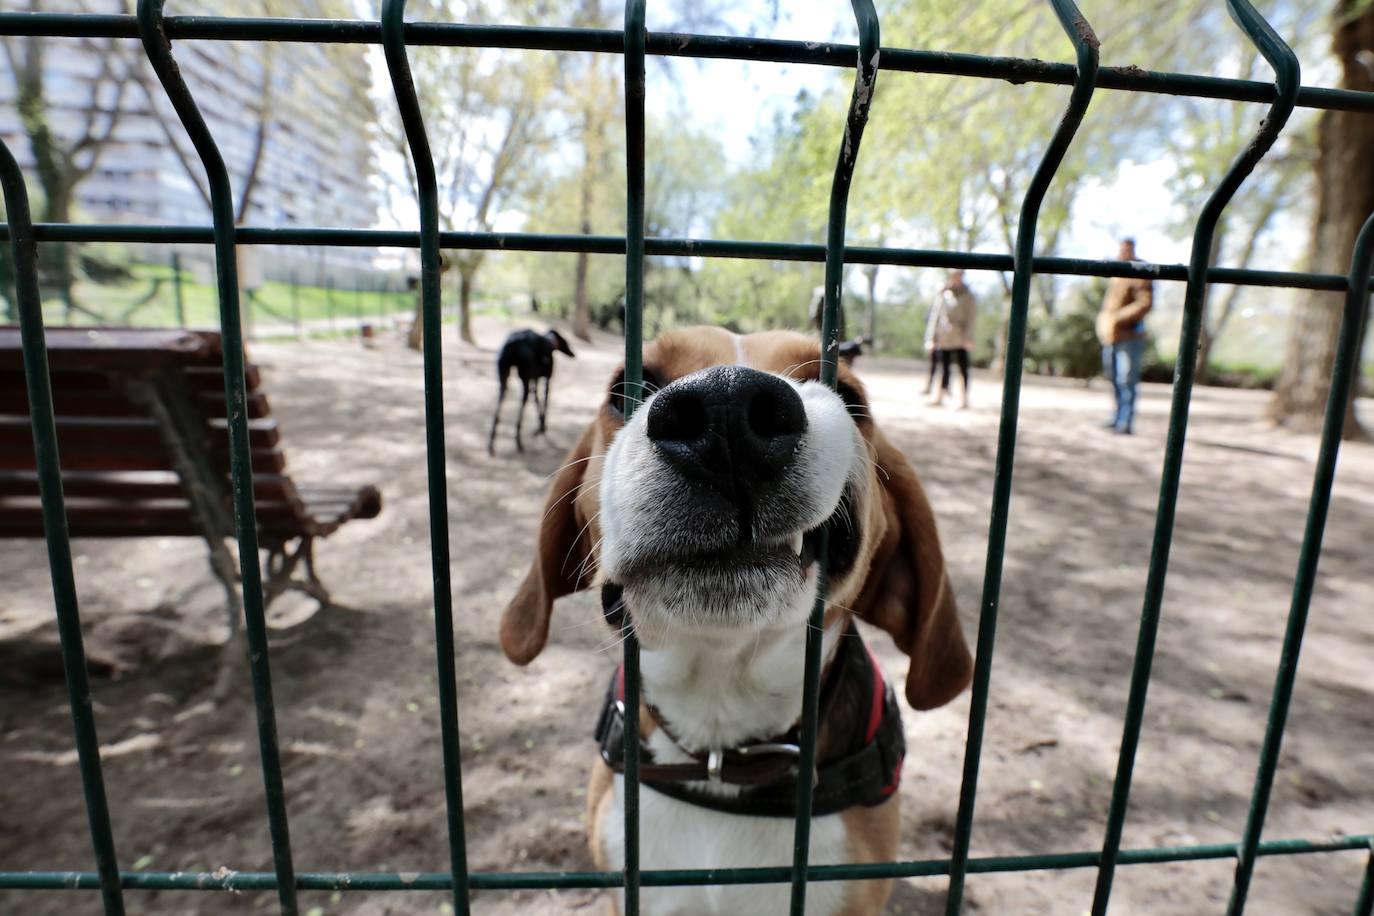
<point>701,518</point>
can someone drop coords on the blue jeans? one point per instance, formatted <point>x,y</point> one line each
<point>1121,365</point>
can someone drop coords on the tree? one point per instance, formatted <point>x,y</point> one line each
<point>1202,143</point>
<point>1345,198</point>
<point>593,88</point>
<point>274,101</point>
<point>489,121</point>
<point>63,159</point>
<point>683,177</point>
<point>947,160</point>
<point>265,106</point>
<point>945,164</point>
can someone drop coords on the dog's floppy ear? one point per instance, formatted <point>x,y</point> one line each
<point>562,560</point>
<point>908,592</point>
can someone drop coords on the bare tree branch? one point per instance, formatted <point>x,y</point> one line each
<point>164,123</point>
<point>263,128</point>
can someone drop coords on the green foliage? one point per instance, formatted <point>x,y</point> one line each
<point>1066,343</point>
<point>533,141</point>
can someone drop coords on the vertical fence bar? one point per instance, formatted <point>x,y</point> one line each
<point>1086,48</point>
<point>25,252</point>
<point>295,305</point>
<point>1287,82</point>
<point>159,51</point>
<point>635,38</point>
<point>1343,374</point>
<point>1364,904</point>
<point>860,103</point>
<point>408,104</point>
<point>177,291</point>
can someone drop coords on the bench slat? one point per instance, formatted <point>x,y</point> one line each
<point>265,461</point>
<point>117,471</point>
<point>85,348</point>
<point>100,516</point>
<point>14,401</point>
<point>134,485</point>
<point>210,379</point>
<point>123,434</point>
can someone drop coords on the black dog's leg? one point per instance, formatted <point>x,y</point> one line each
<point>538,408</point>
<point>496,415</point>
<point>544,407</point>
<point>520,417</point>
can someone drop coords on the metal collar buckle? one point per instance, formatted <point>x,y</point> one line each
<point>757,750</point>
<point>714,759</point>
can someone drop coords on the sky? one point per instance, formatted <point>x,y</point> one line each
<point>737,98</point>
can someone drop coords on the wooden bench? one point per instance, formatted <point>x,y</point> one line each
<point>144,449</point>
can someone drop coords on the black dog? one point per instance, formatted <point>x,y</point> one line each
<point>531,355</point>
<point>850,350</point>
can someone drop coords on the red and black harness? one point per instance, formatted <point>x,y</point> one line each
<point>861,763</point>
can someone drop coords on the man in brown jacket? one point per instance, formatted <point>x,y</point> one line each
<point>1121,329</point>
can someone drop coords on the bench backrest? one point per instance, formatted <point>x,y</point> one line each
<point>114,392</point>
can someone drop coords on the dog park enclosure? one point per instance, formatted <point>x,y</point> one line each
<point>1085,77</point>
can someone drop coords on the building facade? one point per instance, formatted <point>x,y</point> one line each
<point>293,122</point>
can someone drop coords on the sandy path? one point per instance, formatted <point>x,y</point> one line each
<point>355,685</point>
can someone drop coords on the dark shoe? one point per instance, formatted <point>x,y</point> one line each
<point>1124,431</point>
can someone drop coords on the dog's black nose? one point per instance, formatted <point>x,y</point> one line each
<point>730,427</point>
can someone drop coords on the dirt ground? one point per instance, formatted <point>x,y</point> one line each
<point>357,707</point>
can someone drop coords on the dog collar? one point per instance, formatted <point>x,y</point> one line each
<point>861,764</point>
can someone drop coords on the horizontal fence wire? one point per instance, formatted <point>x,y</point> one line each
<point>680,248</point>
<point>566,880</point>
<point>634,42</point>
<point>674,44</point>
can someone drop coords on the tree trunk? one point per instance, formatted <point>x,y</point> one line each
<point>416,338</point>
<point>57,257</point>
<point>53,178</point>
<point>582,313</point>
<point>1211,331</point>
<point>1206,340</point>
<point>871,272</point>
<point>1205,337</point>
<point>1345,198</point>
<point>466,274</point>
<point>593,163</point>
<point>999,358</point>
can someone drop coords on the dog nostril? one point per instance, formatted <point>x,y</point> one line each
<point>775,412</point>
<point>678,416</point>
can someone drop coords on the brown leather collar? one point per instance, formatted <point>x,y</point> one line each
<point>859,752</point>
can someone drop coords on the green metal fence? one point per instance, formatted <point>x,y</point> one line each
<point>394,35</point>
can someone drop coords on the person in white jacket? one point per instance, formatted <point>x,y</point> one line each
<point>949,334</point>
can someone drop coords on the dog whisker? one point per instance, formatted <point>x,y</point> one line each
<point>572,492</point>
<point>591,521</point>
<point>574,463</point>
<point>582,568</point>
